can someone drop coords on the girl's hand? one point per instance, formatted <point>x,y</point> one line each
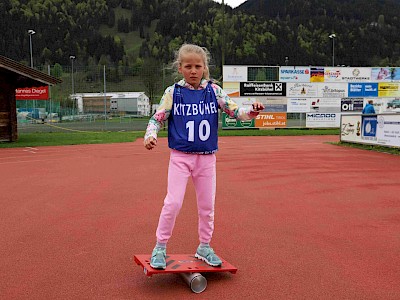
<point>257,106</point>
<point>150,143</point>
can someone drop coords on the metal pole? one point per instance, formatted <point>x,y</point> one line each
<point>72,57</point>
<point>333,36</point>
<point>223,35</point>
<point>105,97</point>
<point>32,32</point>
<point>50,106</point>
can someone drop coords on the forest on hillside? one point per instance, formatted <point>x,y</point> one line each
<point>259,32</point>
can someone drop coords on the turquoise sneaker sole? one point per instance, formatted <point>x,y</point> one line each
<point>198,256</point>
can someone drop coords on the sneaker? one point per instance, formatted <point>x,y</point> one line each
<point>208,255</point>
<point>157,260</point>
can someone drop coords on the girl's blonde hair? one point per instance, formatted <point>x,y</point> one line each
<point>191,48</point>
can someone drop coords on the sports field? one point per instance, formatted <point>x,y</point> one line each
<point>300,218</point>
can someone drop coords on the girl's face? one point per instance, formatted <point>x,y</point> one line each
<point>192,68</point>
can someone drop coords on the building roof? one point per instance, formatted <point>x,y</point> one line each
<point>23,76</point>
<point>111,95</point>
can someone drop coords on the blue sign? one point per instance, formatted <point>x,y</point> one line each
<point>363,89</point>
<point>369,125</point>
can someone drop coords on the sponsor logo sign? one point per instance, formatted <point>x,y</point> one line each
<point>388,89</point>
<point>234,73</point>
<point>296,105</point>
<point>228,122</point>
<point>271,120</point>
<point>294,74</point>
<point>333,74</point>
<point>388,132</point>
<point>315,120</point>
<point>363,90</point>
<point>369,126</point>
<point>317,74</point>
<point>356,74</point>
<point>302,89</point>
<point>352,104</point>
<point>350,128</point>
<point>332,90</point>
<point>263,89</point>
<point>32,93</point>
<point>385,74</point>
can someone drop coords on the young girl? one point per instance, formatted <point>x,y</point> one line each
<point>191,107</point>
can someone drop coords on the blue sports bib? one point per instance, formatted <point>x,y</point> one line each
<point>193,121</point>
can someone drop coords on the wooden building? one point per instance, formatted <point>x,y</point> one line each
<point>14,75</point>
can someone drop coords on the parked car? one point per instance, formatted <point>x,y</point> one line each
<point>394,103</point>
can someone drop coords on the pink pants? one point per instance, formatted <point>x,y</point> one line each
<point>203,172</point>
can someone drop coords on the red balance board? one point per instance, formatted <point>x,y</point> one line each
<point>182,263</point>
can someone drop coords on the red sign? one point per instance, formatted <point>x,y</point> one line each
<point>32,93</point>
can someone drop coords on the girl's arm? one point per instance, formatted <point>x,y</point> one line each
<point>156,122</point>
<point>232,109</point>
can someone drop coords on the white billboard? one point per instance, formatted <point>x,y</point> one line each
<point>321,120</point>
<point>301,89</point>
<point>356,74</point>
<point>333,74</point>
<point>350,128</point>
<point>388,131</point>
<point>332,90</point>
<point>234,73</point>
<point>298,105</point>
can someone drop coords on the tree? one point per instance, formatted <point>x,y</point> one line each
<point>151,75</point>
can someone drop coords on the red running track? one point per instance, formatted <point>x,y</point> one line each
<point>300,218</point>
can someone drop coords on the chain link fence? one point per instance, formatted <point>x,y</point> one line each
<point>61,111</point>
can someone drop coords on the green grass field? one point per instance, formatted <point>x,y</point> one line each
<point>36,139</point>
<point>75,138</point>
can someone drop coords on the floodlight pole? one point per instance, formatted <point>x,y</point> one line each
<point>31,32</point>
<point>72,58</point>
<point>333,36</point>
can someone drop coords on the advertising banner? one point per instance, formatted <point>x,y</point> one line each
<point>369,126</point>
<point>271,120</point>
<point>352,104</point>
<point>275,107</point>
<point>234,73</point>
<point>356,74</point>
<point>228,122</point>
<point>298,105</point>
<point>243,101</point>
<point>333,74</point>
<point>390,105</point>
<point>388,89</point>
<point>325,105</point>
<point>294,74</point>
<point>363,90</point>
<point>263,89</point>
<point>321,120</point>
<point>385,74</point>
<point>332,90</point>
<point>32,93</point>
<point>302,89</point>
<point>231,88</point>
<point>317,74</point>
<point>350,128</point>
<point>378,103</point>
<point>388,132</point>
